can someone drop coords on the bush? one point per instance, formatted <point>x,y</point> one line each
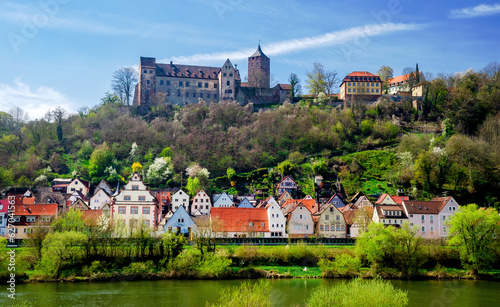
<point>213,265</point>
<point>61,250</point>
<point>248,294</point>
<point>96,267</point>
<point>343,264</point>
<point>359,292</point>
<point>185,262</point>
<point>137,268</point>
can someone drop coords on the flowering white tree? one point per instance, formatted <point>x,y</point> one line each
<point>159,171</point>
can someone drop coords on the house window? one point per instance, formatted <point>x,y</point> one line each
<point>354,90</point>
<point>251,224</point>
<point>161,82</point>
<point>327,227</point>
<point>150,71</point>
<point>423,218</point>
<point>145,71</point>
<point>187,84</point>
<point>215,85</point>
<point>187,94</point>
<point>126,197</point>
<point>168,92</point>
<point>337,217</point>
<point>206,85</point>
<point>30,219</point>
<point>121,222</point>
<point>133,223</point>
<point>307,227</point>
<point>142,198</point>
<point>444,229</point>
<point>262,224</point>
<point>201,95</point>
<point>411,215</point>
<point>134,210</point>
<point>338,227</point>
<point>208,95</point>
<point>432,229</point>
<point>389,221</point>
<point>349,90</point>
<point>135,187</point>
<point>215,96</point>
<point>180,220</point>
<point>194,94</point>
<point>327,217</point>
<point>423,228</point>
<point>444,217</point>
<point>377,90</point>
<point>199,84</point>
<point>321,228</point>
<point>147,82</point>
<point>168,82</point>
<point>228,83</point>
<point>180,83</point>
<point>206,207</point>
<point>145,223</point>
<point>343,227</point>
<point>121,210</point>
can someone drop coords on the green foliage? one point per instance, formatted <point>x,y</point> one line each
<point>166,152</point>
<point>214,265</point>
<point>172,245</point>
<point>138,268</point>
<point>230,173</point>
<point>359,292</point>
<point>100,159</point>
<point>477,234</point>
<point>286,168</point>
<point>249,293</point>
<point>344,264</point>
<point>193,186</point>
<point>72,220</point>
<point>62,250</point>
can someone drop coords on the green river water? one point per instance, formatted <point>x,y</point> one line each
<point>284,292</point>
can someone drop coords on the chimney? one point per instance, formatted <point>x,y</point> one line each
<point>171,62</point>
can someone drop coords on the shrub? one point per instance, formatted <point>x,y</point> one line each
<point>359,292</point>
<point>214,265</point>
<point>247,294</point>
<point>343,264</point>
<point>186,261</point>
<point>95,267</point>
<point>62,249</point>
<point>137,268</point>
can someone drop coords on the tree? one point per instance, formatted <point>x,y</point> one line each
<point>477,234</point>
<point>316,79</point>
<point>385,73</point>
<point>72,220</point>
<point>59,115</point>
<point>62,249</point>
<point>100,159</point>
<point>159,171</point>
<point>193,186</point>
<point>19,117</point>
<point>123,83</point>
<point>331,81</point>
<point>136,167</point>
<point>295,86</point>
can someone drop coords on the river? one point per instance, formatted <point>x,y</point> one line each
<point>284,292</point>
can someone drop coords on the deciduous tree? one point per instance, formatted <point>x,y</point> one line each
<point>123,83</point>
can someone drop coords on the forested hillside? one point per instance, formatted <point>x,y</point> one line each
<point>207,142</point>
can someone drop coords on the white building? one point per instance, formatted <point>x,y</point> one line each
<point>431,216</point>
<point>277,220</point>
<point>180,198</point>
<point>100,198</point>
<point>201,204</point>
<point>135,204</point>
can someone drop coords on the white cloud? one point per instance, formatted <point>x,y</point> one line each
<point>476,11</point>
<point>36,102</point>
<point>295,45</point>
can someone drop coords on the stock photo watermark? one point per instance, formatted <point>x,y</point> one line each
<point>11,253</point>
<point>46,9</point>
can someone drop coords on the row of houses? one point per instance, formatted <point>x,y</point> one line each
<point>134,205</point>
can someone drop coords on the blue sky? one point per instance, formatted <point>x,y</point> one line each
<point>64,52</point>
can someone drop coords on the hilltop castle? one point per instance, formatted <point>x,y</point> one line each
<point>186,84</point>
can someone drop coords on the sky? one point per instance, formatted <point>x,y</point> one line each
<point>64,52</point>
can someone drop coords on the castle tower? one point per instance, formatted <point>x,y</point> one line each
<point>227,81</point>
<point>259,69</point>
<point>147,81</point>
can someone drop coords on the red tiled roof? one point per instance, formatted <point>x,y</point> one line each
<point>361,74</point>
<point>62,185</point>
<point>286,86</point>
<point>91,215</point>
<point>39,209</point>
<point>310,204</point>
<point>399,80</point>
<point>241,219</point>
<point>399,199</point>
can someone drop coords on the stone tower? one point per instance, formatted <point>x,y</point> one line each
<point>147,81</point>
<point>259,69</point>
<point>227,81</point>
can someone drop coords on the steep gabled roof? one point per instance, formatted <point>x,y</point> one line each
<point>380,208</point>
<point>241,219</point>
<point>310,204</point>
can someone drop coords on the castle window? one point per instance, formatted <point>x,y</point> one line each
<point>349,90</point>
<point>145,71</point>
<point>187,84</point>
<point>168,92</point>
<point>377,90</point>
<point>230,75</point>
<point>228,83</point>
<point>161,82</point>
<point>230,91</point>
<point>201,95</point>
<point>147,82</point>
<point>180,83</point>
<point>187,94</point>
<point>224,74</point>
<point>150,71</point>
<point>168,82</point>
<point>215,85</point>
<point>354,90</point>
<point>206,85</point>
<point>194,94</point>
<point>199,84</point>
<point>178,94</point>
<point>208,95</point>
<point>373,90</point>
<point>215,96</point>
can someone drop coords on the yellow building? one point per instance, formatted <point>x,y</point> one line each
<point>361,84</point>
